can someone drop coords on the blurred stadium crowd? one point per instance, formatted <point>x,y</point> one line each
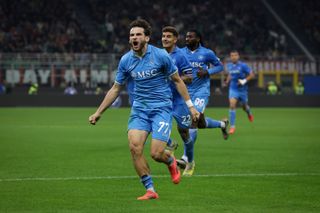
<point>56,27</point>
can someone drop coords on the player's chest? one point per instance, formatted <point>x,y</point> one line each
<point>197,59</point>
<point>141,69</point>
<point>234,69</point>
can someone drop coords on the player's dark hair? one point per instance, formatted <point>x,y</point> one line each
<point>198,35</point>
<point>171,29</point>
<point>143,24</point>
<point>234,51</point>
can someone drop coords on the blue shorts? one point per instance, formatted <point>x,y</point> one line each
<point>157,120</point>
<point>200,102</point>
<point>182,115</point>
<point>240,96</point>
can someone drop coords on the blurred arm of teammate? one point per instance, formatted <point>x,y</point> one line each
<point>110,97</point>
<point>227,81</point>
<point>218,67</point>
<point>245,80</point>
<point>182,89</point>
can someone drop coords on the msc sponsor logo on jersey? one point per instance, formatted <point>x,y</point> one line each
<point>144,74</point>
<point>234,71</point>
<point>196,64</point>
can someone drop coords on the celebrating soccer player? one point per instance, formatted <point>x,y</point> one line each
<point>200,59</point>
<point>238,77</point>
<point>151,112</point>
<point>180,109</point>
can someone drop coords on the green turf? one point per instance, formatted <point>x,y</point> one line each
<point>59,143</point>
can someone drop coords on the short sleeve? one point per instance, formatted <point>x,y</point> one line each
<point>184,65</point>
<point>246,68</point>
<point>213,59</point>
<point>168,64</point>
<point>122,73</point>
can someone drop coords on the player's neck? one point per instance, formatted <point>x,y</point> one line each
<point>140,53</point>
<point>193,48</point>
<point>170,49</point>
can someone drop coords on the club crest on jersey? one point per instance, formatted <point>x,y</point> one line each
<point>200,57</point>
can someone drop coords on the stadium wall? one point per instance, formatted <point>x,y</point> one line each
<point>256,100</point>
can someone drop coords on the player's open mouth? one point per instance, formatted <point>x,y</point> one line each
<point>135,43</point>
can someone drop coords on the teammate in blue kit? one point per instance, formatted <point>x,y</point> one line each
<point>180,109</point>
<point>239,74</point>
<point>150,68</point>
<point>201,60</point>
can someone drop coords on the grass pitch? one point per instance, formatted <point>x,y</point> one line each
<point>52,160</point>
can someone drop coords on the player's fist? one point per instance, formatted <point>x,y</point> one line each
<point>202,73</point>
<point>93,119</point>
<point>194,114</point>
<point>242,81</point>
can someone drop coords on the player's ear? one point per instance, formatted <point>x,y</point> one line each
<point>147,38</point>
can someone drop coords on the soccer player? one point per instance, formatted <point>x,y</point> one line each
<point>238,77</point>
<point>200,59</point>
<point>151,112</point>
<point>180,109</point>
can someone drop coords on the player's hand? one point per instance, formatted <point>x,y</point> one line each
<point>93,119</point>
<point>242,81</point>
<point>194,114</point>
<point>202,73</point>
<point>186,79</point>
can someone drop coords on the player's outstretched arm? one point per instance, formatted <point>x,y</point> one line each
<point>110,97</point>
<point>182,89</point>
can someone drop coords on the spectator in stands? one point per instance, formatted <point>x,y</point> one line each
<point>52,26</point>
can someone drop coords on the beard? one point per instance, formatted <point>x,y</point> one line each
<point>137,46</point>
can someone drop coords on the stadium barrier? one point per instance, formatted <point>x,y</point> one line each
<point>54,70</point>
<point>57,100</point>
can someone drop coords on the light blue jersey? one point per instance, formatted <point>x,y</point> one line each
<point>181,111</point>
<point>152,97</point>
<point>184,68</point>
<point>202,57</point>
<point>237,71</point>
<point>150,74</point>
<point>130,89</point>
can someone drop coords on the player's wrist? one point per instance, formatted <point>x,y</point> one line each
<point>243,81</point>
<point>189,103</point>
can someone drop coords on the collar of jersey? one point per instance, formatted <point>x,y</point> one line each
<point>174,50</point>
<point>147,52</point>
<point>200,46</point>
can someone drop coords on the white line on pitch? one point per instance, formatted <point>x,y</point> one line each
<point>156,176</point>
